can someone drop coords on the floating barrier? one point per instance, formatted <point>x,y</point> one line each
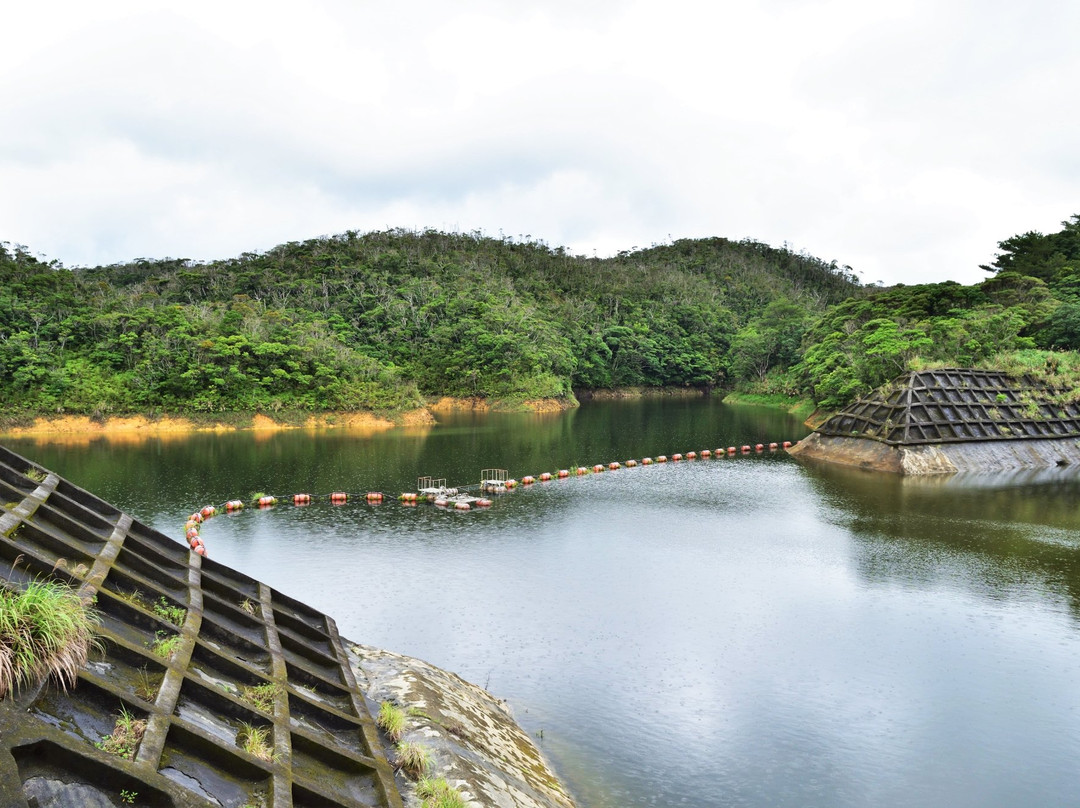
<point>444,497</point>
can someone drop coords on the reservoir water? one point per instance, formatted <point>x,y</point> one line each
<point>743,631</point>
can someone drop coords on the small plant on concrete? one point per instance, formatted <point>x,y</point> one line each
<point>255,740</point>
<point>412,758</point>
<point>45,629</point>
<point>146,688</point>
<point>437,793</point>
<point>247,606</point>
<point>166,611</point>
<point>261,696</point>
<point>37,475</point>
<point>391,719</point>
<point>165,644</point>
<point>128,797</point>
<point>123,741</point>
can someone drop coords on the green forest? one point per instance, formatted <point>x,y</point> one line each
<point>379,321</point>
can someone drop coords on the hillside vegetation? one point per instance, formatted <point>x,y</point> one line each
<point>375,321</point>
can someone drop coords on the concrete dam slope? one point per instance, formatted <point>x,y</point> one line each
<point>210,688</point>
<point>951,420</point>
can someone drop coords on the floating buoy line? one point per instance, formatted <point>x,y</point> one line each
<point>457,498</point>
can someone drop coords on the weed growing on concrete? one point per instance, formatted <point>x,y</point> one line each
<point>165,644</point>
<point>437,793</point>
<point>255,740</point>
<point>147,686</point>
<point>174,614</point>
<point>247,606</point>
<point>261,696</point>
<point>37,475</point>
<point>123,741</point>
<point>412,758</point>
<point>128,796</point>
<point>45,629</point>
<point>391,719</point>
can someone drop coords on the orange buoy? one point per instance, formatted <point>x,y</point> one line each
<point>191,525</point>
<point>691,455</point>
<point>192,533</point>
<point>374,496</point>
<point>646,461</point>
<point>339,498</point>
<point>706,453</point>
<point>772,447</point>
<point>631,464</point>
<point>528,479</point>
<point>676,457</point>
<point>301,499</point>
<point>511,483</point>
<point>200,550</point>
<point>234,505</point>
<point>597,468</point>
<point>787,444</point>
<point>208,511</point>
<point>661,459</point>
<point>563,474</point>
<point>195,542</point>
<point>462,506</point>
<point>731,450</point>
<point>196,517</point>
<point>545,476</point>
<point>483,503</point>
<point>582,471</point>
<point>267,502</point>
<point>442,503</point>
<point>613,465</point>
<point>759,447</point>
<point>409,497</point>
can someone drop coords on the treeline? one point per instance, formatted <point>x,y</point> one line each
<point>375,321</point>
<point>1024,319</point>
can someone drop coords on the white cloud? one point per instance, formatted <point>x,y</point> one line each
<point>904,140</point>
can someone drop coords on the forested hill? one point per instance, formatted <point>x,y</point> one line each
<point>375,321</point>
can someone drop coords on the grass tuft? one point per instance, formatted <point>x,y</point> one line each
<point>262,696</point>
<point>166,611</point>
<point>255,740</point>
<point>413,759</point>
<point>391,719</point>
<point>45,630</point>
<point>165,644</point>
<point>437,793</point>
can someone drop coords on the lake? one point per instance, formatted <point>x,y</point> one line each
<point>744,631</point>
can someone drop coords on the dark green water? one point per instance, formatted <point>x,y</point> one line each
<point>744,631</point>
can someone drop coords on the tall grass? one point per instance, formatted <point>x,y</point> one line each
<point>45,630</point>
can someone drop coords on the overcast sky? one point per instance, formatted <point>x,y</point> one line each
<point>904,139</point>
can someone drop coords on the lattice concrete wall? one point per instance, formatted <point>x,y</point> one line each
<point>958,405</point>
<point>236,634</point>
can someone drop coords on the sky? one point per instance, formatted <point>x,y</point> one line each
<point>904,140</point>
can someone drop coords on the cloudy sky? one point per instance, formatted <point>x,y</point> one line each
<point>903,139</point>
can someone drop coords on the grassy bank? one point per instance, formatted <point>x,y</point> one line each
<point>801,408</point>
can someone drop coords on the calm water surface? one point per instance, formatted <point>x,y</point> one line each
<point>736,632</point>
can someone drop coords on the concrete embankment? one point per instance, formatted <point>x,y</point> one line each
<point>474,741</point>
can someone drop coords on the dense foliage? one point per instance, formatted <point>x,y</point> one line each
<point>373,321</point>
<point>1031,302</point>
